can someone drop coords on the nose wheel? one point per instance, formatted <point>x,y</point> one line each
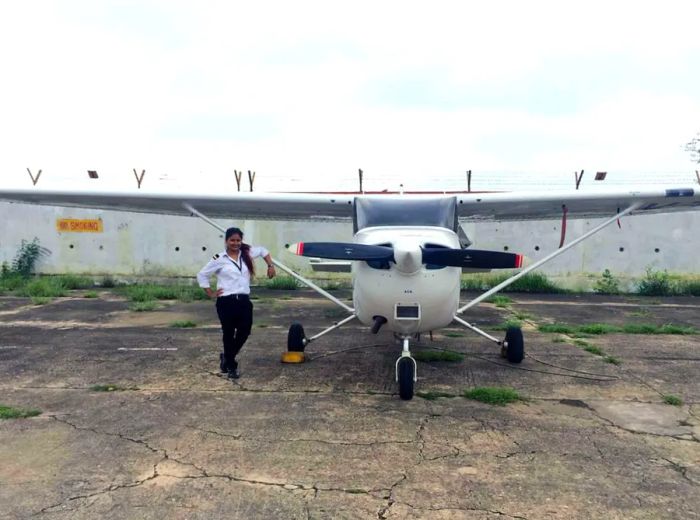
<point>406,370</point>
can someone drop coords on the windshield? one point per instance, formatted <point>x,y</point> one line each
<point>438,212</point>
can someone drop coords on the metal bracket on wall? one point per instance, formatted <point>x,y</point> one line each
<point>251,179</point>
<point>239,176</point>
<point>34,179</point>
<point>578,176</point>
<point>139,178</point>
<point>697,174</point>
<point>469,181</point>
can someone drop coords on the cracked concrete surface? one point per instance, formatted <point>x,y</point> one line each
<point>330,439</point>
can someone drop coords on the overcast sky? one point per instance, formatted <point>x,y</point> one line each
<point>309,91</point>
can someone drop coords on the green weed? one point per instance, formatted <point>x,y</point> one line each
<point>41,300</point>
<point>530,283</point>
<point>44,287</point>
<point>655,283</point>
<point>607,284</point>
<point>434,395</point>
<point>612,360</point>
<point>500,300</point>
<point>90,294</point>
<point>499,396</point>
<point>454,335</point>
<point>143,306</point>
<point>594,350</point>
<point>556,328</point>
<point>9,412</point>
<point>281,283</point>
<point>183,324</point>
<point>148,292</point>
<point>673,400</point>
<point>438,355</point>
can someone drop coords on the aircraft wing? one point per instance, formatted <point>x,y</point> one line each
<point>504,206</point>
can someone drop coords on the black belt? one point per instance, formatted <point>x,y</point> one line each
<point>240,296</point>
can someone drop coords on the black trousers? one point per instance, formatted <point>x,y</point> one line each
<point>236,317</point>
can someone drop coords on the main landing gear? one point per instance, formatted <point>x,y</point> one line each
<point>296,343</point>
<point>512,347</point>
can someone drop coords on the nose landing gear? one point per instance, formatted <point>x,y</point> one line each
<point>406,370</point>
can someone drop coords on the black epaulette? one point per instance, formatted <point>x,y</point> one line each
<point>216,256</point>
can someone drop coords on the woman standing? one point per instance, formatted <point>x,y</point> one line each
<point>234,270</point>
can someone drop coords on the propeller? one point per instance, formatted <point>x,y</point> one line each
<point>342,251</point>
<point>472,258</point>
<point>442,256</point>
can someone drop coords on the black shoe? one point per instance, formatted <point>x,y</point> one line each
<point>234,374</point>
<point>222,363</point>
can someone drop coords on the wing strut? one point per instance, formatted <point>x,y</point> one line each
<point>286,269</point>
<point>546,259</point>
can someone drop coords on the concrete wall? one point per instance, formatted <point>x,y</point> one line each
<point>134,244</point>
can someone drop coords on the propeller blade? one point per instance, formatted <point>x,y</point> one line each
<point>472,258</point>
<point>341,251</point>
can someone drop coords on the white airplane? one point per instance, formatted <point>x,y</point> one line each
<point>408,250</point>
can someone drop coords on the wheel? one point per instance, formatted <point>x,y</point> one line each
<point>295,338</point>
<point>515,351</point>
<point>406,374</point>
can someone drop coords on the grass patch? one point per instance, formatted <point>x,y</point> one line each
<point>183,324</point>
<point>673,400</point>
<point>43,288</point>
<point>41,300</point>
<point>522,316</point>
<point>261,325</point>
<point>109,388</point>
<point>454,335</point>
<point>148,292</point>
<point>530,283</point>
<point>597,329</point>
<point>90,294</point>
<point>9,412</point>
<point>594,350</point>
<point>499,396</point>
<point>438,355</point>
<point>559,339</point>
<point>143,306</point>
<point>512,322</point>
<point>612,360</point>
<point>73,281</point>
<point>434,395</point>
<point>500,300</point>
<point>557,328</point>
<point>281,283</point>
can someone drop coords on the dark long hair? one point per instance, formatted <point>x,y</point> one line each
<point>245,249</point>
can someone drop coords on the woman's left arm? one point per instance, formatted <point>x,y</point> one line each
<point>270,266</point>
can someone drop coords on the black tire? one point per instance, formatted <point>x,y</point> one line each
<point>515,351</point>
<point>406,374</point>
<point>295,338</point>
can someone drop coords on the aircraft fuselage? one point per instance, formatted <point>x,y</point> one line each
<point>411,296</point>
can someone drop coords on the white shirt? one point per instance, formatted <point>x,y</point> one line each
<point>231,275</point>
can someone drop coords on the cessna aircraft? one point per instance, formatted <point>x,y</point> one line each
<point>408,249</point>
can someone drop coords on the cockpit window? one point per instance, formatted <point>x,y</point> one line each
<point>437,212</point>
